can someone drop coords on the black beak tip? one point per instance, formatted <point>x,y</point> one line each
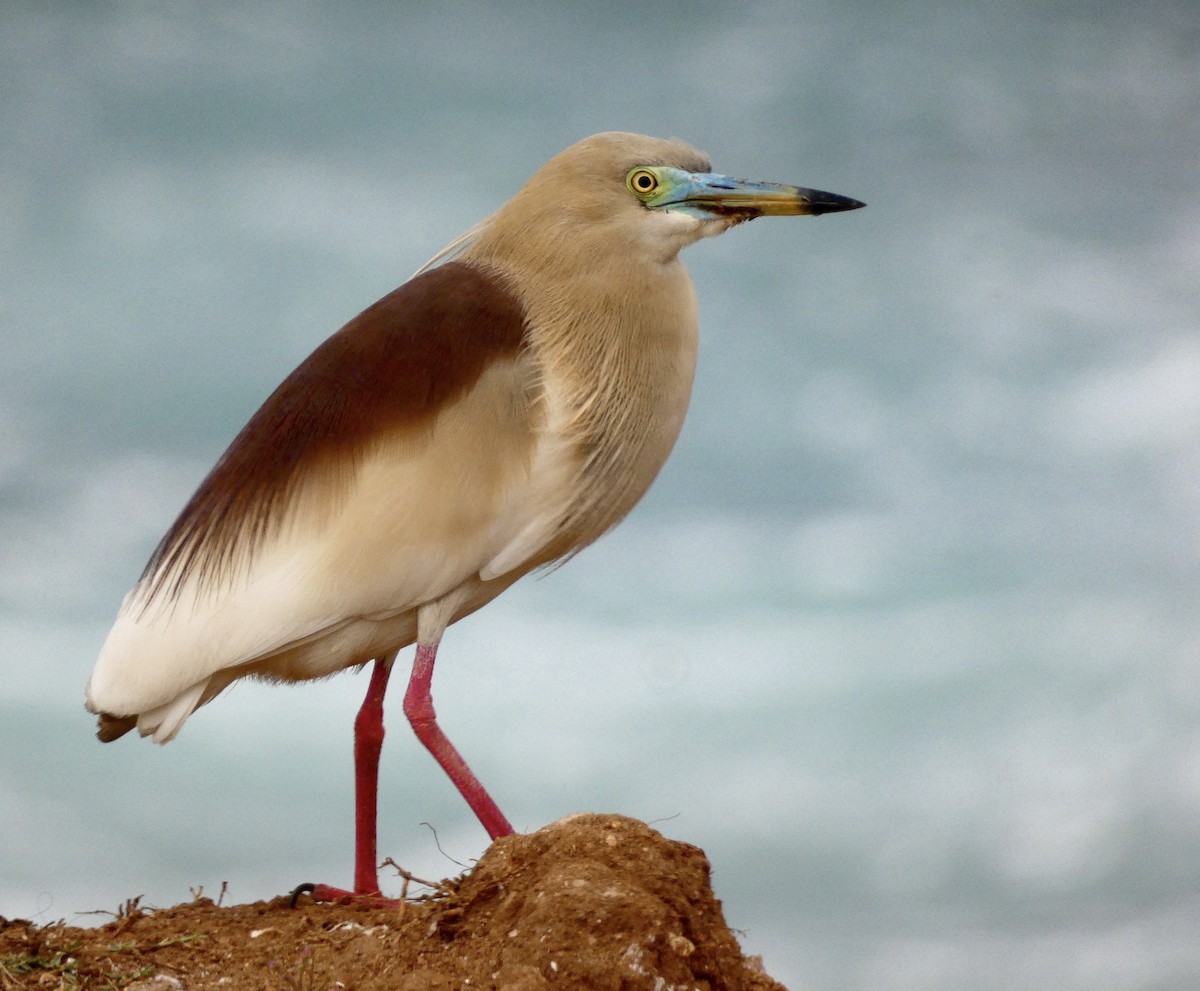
<point>832,203</point>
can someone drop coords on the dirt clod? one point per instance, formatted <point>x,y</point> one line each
<point>588,902</point>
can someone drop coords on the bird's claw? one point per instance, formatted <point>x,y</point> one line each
<point>301,889</point>
<point>327,893</point>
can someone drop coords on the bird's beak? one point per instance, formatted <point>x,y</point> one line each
<point>706,195</point>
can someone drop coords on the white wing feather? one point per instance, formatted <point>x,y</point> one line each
<point>323,594</point>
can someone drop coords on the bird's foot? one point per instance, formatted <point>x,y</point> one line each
<point>328,893</point>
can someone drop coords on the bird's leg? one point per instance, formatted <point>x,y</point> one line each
<point>368,741</point>
<point>418,707</point>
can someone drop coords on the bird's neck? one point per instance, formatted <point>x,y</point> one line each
<point>621,369</point>
<point>614,348</point>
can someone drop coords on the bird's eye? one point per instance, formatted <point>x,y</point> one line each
<point>642,181</point>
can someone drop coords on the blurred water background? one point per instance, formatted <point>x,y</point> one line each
<point>906,636</point>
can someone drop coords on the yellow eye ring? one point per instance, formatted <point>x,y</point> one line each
<point>642,182</point>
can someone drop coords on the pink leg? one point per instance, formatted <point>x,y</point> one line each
<point>368,741</point>
<point>418,707</point>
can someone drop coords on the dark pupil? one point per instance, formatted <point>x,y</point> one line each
<point>644,182</point>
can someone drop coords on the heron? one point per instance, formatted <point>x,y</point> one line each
<point>494,415</point>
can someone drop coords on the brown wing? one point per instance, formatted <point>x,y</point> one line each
<point>394,365</point>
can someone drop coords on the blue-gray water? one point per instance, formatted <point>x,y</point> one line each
<point>906,637</point>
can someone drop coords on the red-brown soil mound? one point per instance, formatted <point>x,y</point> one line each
<point>587,902</point>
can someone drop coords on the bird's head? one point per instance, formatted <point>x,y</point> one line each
<point>633,196</point>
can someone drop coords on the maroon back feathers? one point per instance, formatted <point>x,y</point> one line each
<point>397,363</point>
